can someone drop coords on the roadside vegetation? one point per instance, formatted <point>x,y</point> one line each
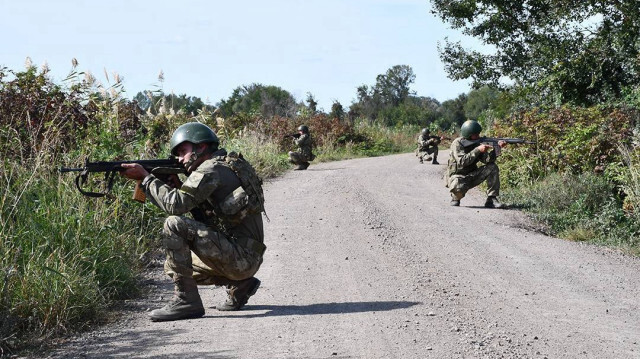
<point>65,259</point>
<point>574,88</point>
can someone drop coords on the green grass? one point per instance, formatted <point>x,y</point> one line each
<point>583,207</point>
<point>64,257</point>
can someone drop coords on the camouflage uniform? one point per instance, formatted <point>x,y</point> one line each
<point>464,173</point>
<point>305,155</point>
<point>427,145</point>
<point>216,247</point>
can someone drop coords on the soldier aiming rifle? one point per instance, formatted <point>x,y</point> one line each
<point>466,153</point>
<point>428,146</point>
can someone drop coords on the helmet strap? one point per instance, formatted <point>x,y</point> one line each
<point>193,158</point>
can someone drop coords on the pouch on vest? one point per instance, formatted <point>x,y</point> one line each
<point>235,202</point>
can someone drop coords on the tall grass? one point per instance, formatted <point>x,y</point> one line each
<point>64,257</point>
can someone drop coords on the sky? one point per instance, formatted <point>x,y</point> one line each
<point>207,48</point>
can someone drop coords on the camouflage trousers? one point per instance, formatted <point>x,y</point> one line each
<point>459,185</point>
<point>195,250</point>
<point>297,158</point>
<point>424,153</point>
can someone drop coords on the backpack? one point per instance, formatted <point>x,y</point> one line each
<point>249,197</point>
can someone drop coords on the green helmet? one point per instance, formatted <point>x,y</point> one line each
<point>304,129</point>
<point>469,128</point>
<point>426,131</point>
<point>193,132</point>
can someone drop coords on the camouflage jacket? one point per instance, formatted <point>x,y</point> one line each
<point>204,194</point>
<point>304,142</point>
<point>425,141</point>
<point>464,160</point>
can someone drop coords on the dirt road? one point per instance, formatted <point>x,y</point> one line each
<point>366,259</point>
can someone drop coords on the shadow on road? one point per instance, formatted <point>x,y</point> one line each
<point>320,308</point>
<point>131,344</point>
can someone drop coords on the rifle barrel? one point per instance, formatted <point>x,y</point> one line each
<point>65,170</point>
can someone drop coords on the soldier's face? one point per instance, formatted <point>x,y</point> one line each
<point>184,152</point>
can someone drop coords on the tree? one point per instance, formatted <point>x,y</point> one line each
<point>391,90</point>
<point>452,112</point>
<point>337,111</point>
<point>254,99</point>
<point>312,103</point>
<point>478,101</point>
<point>578,51</point>
<point>182,103</point>
<point>393,86</point>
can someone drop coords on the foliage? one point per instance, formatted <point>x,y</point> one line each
<point>258,99</point>
<point>390,91</point>
<point>580,207</point>
<point>569,139</point>
<point>32,106</point>
<point>160,103</point>
<point>337,111</point>
<point>581,179</point>
<point>579,52</point>
<point>478,101</point>
<point>452,113</point>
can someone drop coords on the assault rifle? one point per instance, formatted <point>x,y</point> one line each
<point>441,137</point>
<point>160,168</point>
<point>493,141</point>
<point>293,135</point>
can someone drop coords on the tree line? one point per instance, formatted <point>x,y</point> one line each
<point>389,101</point>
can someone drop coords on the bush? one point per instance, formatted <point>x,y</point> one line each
<point>569,139</point>
<point>580,207</point>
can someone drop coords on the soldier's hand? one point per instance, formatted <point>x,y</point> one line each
<point>502,144</point>
<point>134,171</point>
<point>173,181</point>
<point>483,148</point>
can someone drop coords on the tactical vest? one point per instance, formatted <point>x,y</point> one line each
<point>245,200</point>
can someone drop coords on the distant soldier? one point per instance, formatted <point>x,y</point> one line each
<point>302,139</point>
<point>428,145</point>
<point>464,173</point>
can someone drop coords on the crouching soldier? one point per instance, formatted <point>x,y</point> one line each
<point>463,172</point>
<point>428,147</point>
<point>302,139</point>
<point>222,242</point>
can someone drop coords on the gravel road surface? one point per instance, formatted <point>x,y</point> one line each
<point>366,259</point>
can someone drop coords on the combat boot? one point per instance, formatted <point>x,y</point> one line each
<point>185,304</point>
<point>306,165</point>
<point>238,294</point>
<point>455,202</point>
<point>421,160</point>
<point>300,167</point>
<point>435,162</point>
<point>492,202</point>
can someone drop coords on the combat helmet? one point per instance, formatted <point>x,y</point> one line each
<point>425,131</point>
<point>469,128</point>
<point>193,132</point>
<point>304,129</point>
